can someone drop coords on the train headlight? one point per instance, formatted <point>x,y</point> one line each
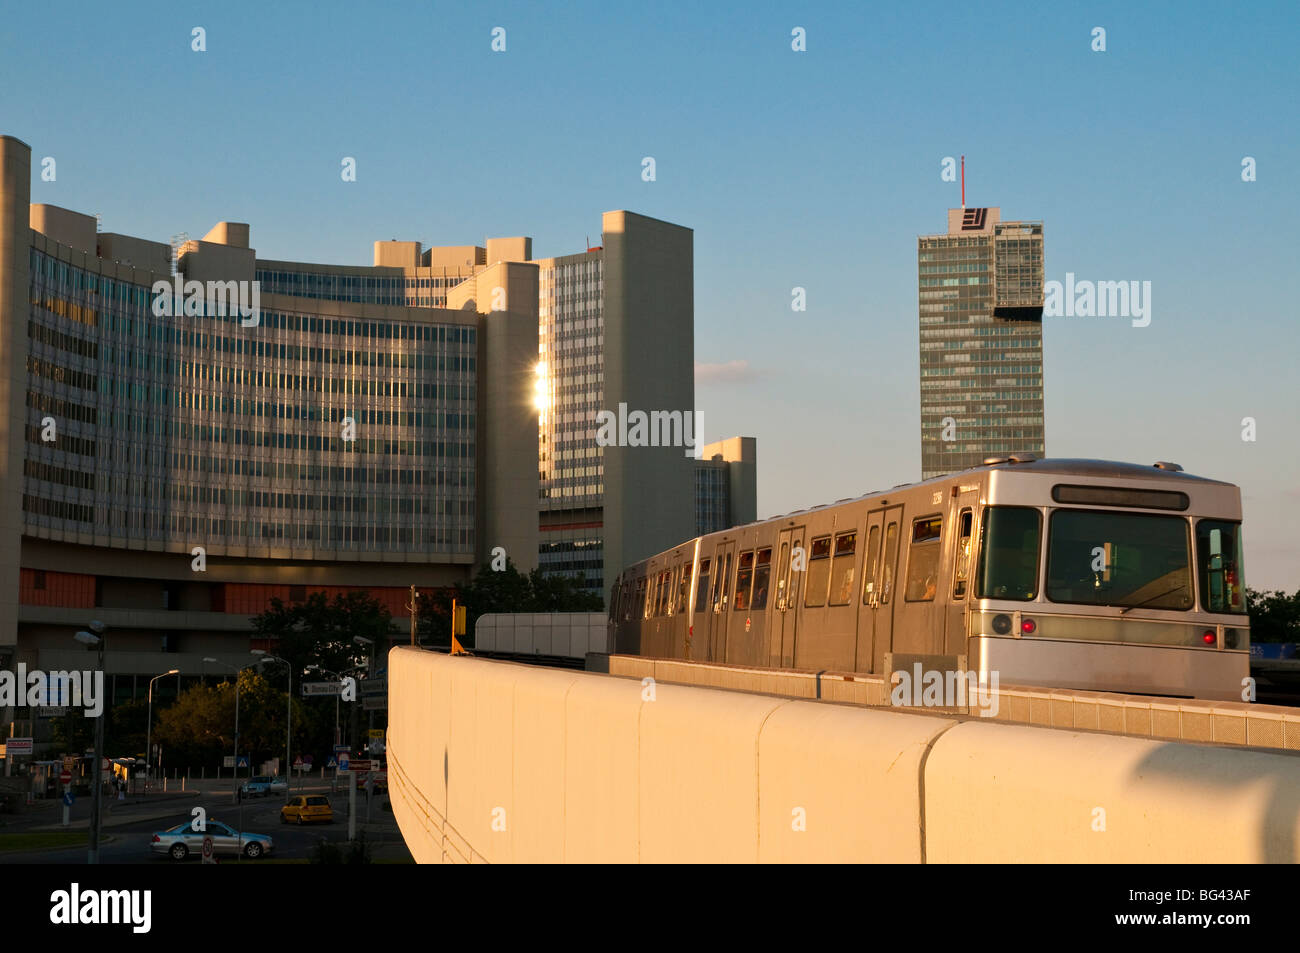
<point>1002,624</point>
<point>1029,627</point>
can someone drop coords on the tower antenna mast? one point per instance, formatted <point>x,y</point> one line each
<point>963,182</point>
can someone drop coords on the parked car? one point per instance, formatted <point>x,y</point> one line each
<point>307,809</point>
<point>182,840</point>
<point>263,784</point>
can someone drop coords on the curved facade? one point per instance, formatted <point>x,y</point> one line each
<point>185,447</point>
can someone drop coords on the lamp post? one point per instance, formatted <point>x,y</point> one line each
<point>288,730</point>
<point>95,639</point>
<point>368,644</point>
<point>148,736</point>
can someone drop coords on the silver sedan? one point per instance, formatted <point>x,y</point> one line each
<point>182,840</point>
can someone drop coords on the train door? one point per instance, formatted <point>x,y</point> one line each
<point>723,569</point>
<point>745,642</point>
<point>878,585</point>
<point>791,560</point>
<point>962,575</point>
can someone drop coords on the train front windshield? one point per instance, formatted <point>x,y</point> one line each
<point>1110,558</point>
<point>1103,558</point>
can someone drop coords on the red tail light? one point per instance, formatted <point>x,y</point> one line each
<point>156,838</point>
<point>1208,638</point>
<point>1029,626</point>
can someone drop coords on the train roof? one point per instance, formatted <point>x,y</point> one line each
<point>1062,466</point>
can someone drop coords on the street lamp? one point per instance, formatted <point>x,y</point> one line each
<point>95,639</point>
<point>288,730</point>
<point>148,736</point>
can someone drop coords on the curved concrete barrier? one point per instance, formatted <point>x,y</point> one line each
<point>502,762</point>
<point>997,793</point>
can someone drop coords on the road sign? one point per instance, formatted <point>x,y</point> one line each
<point>360,765</point>
<point>65,776</point>
<point>322,688</point>
<point>306,761</point>
<point>208,857</point>
<point>68,798</point>
<point>228,761</point>
<point>68,762</point>
<point>297,762</point>
<point>374,703</point>
<point>51,711</point>
<point>18,746</point>
<point>331,763</point>
<point>243,761</point>
<point>105,766</point>
<point>374,686</point>
<point>338,748</point>
<point>343,761</point>
<point>376,733</point>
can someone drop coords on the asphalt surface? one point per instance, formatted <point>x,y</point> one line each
<point>129,825</point>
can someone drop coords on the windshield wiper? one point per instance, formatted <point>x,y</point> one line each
<point>1147,602</point>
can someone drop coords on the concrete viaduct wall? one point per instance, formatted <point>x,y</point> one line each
<point>500,762</point>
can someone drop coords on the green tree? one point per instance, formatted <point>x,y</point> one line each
<point>1274,616</point>
<point>199,727</point>
<point>320,631</point>
<point>505,590</point>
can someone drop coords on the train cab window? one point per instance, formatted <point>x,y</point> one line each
<point>1218,555</point>
<point>762,570</point>
<point>891,560</point>
<point>683,586</point>
<point>1008,560</point>
<point>1104,557</point>
<point>869,570</point>
<point>923,559</point>
<point>661,594</point>
<point>819,572</point>
<point>744,580</point>
<point>843,566</point>
<point>702,587</point>
<point>625,599</point>
<point>961,560</point>
<point>640,596</point>
<point>666,592</point>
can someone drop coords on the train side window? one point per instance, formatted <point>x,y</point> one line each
<point>640,597</point>
<point>961,562</point>
<point>819,572</point>
<point>666,595</point>
<point>843,567</point>
<point>625,600</point>
<point>923,559</point>
<point>891,560</point>
<point>762,570</point>
<point>744,580</point>
<point>873,559</point>
<point>702,587</point>
<point>724,582</point>
<point>782,571</point>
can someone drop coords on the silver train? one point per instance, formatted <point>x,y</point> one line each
<point>1080,574</point>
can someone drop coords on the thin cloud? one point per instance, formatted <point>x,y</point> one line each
<point>729,372</point>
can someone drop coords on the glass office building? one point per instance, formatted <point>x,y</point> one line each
<point>981,308</point>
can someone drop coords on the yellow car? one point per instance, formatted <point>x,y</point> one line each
<point>307,808</point>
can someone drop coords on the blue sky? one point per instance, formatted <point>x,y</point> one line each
<point>815,169</point>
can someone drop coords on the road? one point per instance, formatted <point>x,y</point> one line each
<point>131,824</point>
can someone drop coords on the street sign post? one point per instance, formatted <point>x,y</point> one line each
<point>228,761</point>
<point>344,761</point>
<point>310,689</point>
<point>208,856</point>
<point>65,776</point>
